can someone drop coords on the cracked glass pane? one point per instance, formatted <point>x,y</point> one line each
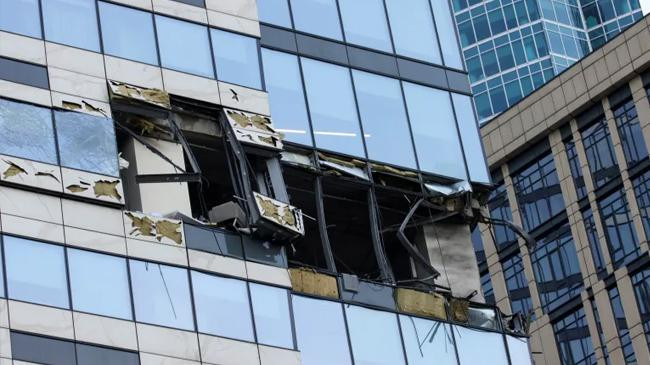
<point>86,142</point>
<point>427,342</point>
<point>27,132</point>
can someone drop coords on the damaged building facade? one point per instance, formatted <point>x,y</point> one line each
<point>570,165</point>
<point>241,182</point>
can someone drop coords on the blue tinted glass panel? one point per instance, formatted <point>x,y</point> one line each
<point>466,33</point>
<point>446,31</point>
<point>434,129</point>
<point>519,350</point>
<point>319,17</point>
<point>71,22</point>
<point>128,33</point>
<point>413,31</point>
<point>99,284</point>
<point>573,339</point>
<point>427,342</point>
<point>335,129</point>
<point>492,347</point>
<point>272,317</point>
<point>471,139</point>
<point>222,306</point>
<point>27,132</point>
<point>86,142</point>
<point>364,23</point>
<point>274,12</point>
<point>20,16</point>
<point>184,46</point>
<point>384,119</point>
<point>237,58</point>
<point>286,97</point>
<point>322,339</point>
<point>35,272</point>
<point>630,133</point>
<point>374,336</point>
<point>161,295</point>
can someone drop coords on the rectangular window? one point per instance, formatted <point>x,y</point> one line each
<point>383,117</point>
<point>594,242</point>
<point>413,30</point>
<point>500,209</point>
<point>641,284</point>
<point>222,306</point>
<point>538,192</point>
<point>519,350</point>
<point>322,339</point>
<point>336,129</point>
<point>447,33</point>
<point>71,22</point>
<point>629,129</point>
<point>642,191</point>
<point>272,317</point>
<point>318,17</point>
<point>477,242</point>
<point>619,228</point>
<point>99,284</point>
<point>600,153</point>
<point>184,46</point>
<point>43,280</point>
<point>41,350</point>
<point>573,339</point>
<point>128,33</point>
<point>427,342</point>
<point>434,135</point>
<point>469,135</point>
<point>517,285</point>
<point>493,351</point>
<point>621,326</point>
<point>374,336</point>
<point>27,132</point>
<point>86,142</point>
<point>20,16</point>
<point>237,58</point>
<point>486,287</point>
<point>364,23</point>
<point>576,169</point>
<point>274,12</point>
<point>601,335</point>
<point>555,263</point>
<point>161,295</point>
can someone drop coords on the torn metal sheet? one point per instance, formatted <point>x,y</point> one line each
<point>449,190</point>
<point>420,303</point>
<point>280,213</point>
<point>311,282</point>
<point>153,229</point>
<point>254,129</point>
<point>297,159</point>
<point>393,171</point>
<point>352,167</point>
<point>134,94</point>
<point>30,173</point>
<point>84,107</point>
<point>93,186</point>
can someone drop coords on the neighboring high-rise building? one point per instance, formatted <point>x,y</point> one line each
<point>513,47</point>
<point>242,182</point>
<point>571,167</point>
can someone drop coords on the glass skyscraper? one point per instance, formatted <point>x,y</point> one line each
<point>512,47</point>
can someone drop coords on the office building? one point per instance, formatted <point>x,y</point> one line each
<point>513,47</point>
<point>570,166</point>
<point>240,182</point>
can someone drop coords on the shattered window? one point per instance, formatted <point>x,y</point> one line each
<point>427,342</point>
<point>128,33</point>
<point>237,58</point>
<point>161,295</point>
<point>20,16</point>
<point>99,284</point>
<point>272,317</point>
<point>434,130</point>
<point>469,134</point>
<point>364,23</point>
<point>383,116</point>
<point>35,272</point>
<point>184,46</point>
<point>413,31</point>
<point>322,339</point>
<point>374,336</point>
<point>274,12</point>
<point>519,350</point>
<point>222,306</point>
<point>332,107</point>
<point>493,351</point>
<point>86,142</point>
<point>286,96</point>
<point>319,17</point>
<point>27,132</point>
<point>71,22</point>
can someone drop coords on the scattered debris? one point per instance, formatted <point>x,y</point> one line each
<point>107,188</point>
<point>13,170</point>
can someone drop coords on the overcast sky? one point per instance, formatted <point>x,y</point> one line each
<point>645,5</point>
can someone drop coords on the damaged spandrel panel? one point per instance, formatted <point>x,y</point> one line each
<point>27,132</point>
<point>87,142</point>
<point>254,129</point>
<point>153,229</point>
<point>30,173</point>
<point>81,183</point>
<point>280,213</point>
<point>120,91</point>
<point>337,166</point>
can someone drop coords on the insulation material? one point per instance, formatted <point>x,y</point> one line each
<point>84,107</point>
<point>393,171</point>
<point>311,282</point>
<point>280,213</point>
<point>93,186</point>
<point>421,303</point>
<point>352,167</point>
<point>131,94</point>
<point>153,229</point>
<point>459,310</point>
<point>254,129</point>
<point>30,173</point>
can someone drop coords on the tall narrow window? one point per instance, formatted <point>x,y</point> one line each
<point>469,135</point>
<point>184,46</point>
<point>413,30</point>
<point>594,242</point>
<point>374,336</point>
<point>621,326</point>
<point>641,284</point>
<point>236,57</point>
<point>364,23</point>
<point>71,22</point>
<point>517,285</point>
<point>642,191</point>
<point>576,169</point>
<point>447,33</point>
<point>629,129</point>
<point>573,339</point>
<point>20,16</point>
<point>272,316</point>
<point>128,33</point>
<point>600,153</point>
<point>500,209</point>
<point>619,228</point>
<point>601,335</point>
<point>320,17</point>
<point>27,132</point>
